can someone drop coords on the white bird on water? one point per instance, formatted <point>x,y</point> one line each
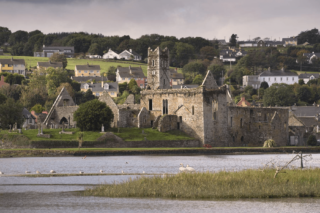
<point>81,172</point>
<point>101,171</point>
<point>38,172</point>
<point>122,172</point>
<point>190,169</point>
<point>181,168</point>
<point>1,173</point>
<point>52,171</point>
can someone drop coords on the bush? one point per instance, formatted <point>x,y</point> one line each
<point>269,143</point>
<point>312,140</point>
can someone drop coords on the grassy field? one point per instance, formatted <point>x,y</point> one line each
<point>127,134</point>
<point>135,134</point>
<point>243,184</point>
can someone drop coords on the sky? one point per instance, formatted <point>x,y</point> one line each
<point>181,18</point>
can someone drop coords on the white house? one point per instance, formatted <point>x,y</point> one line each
<point>111,54</point>
<point>128,55</point>
<point>271,77</point>
<point>311,56</point>
<point>306,77</point>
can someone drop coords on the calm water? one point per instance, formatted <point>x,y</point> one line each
<point>56,194</point>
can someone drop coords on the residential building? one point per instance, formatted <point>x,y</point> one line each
<point>94,56</point>
<point>263,43</point>
<point>3,83</point>
<point>290,41</point>
<point>97,89</point>
<point>130,55</point>
<point>243,102</point>
<point>176,78</point>
<point>46,65</point>
<point>13,66</point>
<point>229,58</point>
<point>247,43</point>
<point>125,74</point>
<point>111,54</point>
<point>29,119</point>
<point>87,70</point>
<point>48,51</point>
<point>311,56</point>
<point>271,77</point>
<point>306,77</point>
<point>84,79</point>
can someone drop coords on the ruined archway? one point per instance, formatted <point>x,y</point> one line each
<point>64,121</point>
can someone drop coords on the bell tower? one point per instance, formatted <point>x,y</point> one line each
<point>158,75</point>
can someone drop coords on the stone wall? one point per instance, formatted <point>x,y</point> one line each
<point>167,123</point>
<point>252,126</point>
<point>105,97</point>
<point>64,112</point>
<point>143,118</point>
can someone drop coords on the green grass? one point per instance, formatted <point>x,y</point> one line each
<point>135,134</point>
<point>243,184</point>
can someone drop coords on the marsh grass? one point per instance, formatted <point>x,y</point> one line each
<point>242,184</point>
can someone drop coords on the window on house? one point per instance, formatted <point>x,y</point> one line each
<point>214,115</point>
<point>180,119</point>
<point>280,79</point>
<point>112,93</point>
<point>287,78</point>
<point>150,104</point>
<point>123,79</point>
<point>275,79</point>
<point>293,79</point>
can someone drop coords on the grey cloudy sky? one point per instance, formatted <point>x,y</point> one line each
<point>181,18</point>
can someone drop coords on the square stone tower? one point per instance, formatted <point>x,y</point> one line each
<point>158,75</point>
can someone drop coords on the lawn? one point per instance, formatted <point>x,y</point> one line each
<point>135,134</point>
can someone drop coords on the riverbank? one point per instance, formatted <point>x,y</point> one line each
<point>59,152</point>
<point>221,185</point>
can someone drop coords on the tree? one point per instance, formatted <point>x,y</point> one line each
<point>17,49</point>
<point>10,113</point>
<point>3,98</point>
<point>38,108</point>
<point>218,71</point>
<point>280,95</point>
<point>301,82</point>
<point>4,35</point>
<point>194,68</point>
<point>123,87</point>
<point>256,39</point>
<point>264,85</point>
<point>56,57</point>
<point>184,52</point>
<point>208,52</point>
<point>91,115</point>
<point>198,80</point>
<point>310,36</point>
<point>233,40</point>
<point>94,49</point>
<point>18,37</point>
<point>312,140</point>
<point>304,93</point>
<point>133,86</point>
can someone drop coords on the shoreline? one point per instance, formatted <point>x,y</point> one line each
<point>150,151</point>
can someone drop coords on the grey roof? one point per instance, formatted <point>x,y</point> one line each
<point>305,111</point>
<point>176,76</point>
<point>86,78</point>
<point>88,67</point>
<point>130,72</point>
<point>309,121</point>
<point>185,86</point>
<point>247,42</point>
<point>50,64</point>
<point>225,52</point>
<point>309,55</point>
<point>308,75</point>
<point>26,114</point>
<point>173,71</point>
<point>222,41</point>
<point>12,61</point>
<point>59,48</point>
<point>278,73</point>
<point>96,87</point>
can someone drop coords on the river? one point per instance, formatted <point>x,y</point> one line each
<point>58,194</point>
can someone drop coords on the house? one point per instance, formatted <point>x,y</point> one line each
<point>125,74</point>
<point>176,78</point>
<point>2,82</point>
<point>130,55</point>
<point>111,54</point>
<point>306,77</point>
<point>97,89</point>
<point>13,66</point>
<point>1,51</point>
<point>263,43</point>
<point>229,58</point>
<point>84,79</point>
<point>247,43</point>
<point>29,119</point>
<point>48,51</point>
<point>240,53</point>
<point>243,102</point>
<point>48,64</point>
<point>311,56</point>
<point>94,56</point>
<point>290,41</point>
<point>271,77</point>
<point>87,70</point>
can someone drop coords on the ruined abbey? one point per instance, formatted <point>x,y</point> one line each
<point>206,113</point>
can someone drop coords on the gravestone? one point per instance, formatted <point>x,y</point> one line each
<point>102,128</point>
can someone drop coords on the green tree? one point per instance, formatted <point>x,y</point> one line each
<point>38,108</point>
<point>94,49</point>
<point>184,52</point>
<point>17,49</point>
<point>3,98</point>
<point>133,86</point>
<point>312,140</point>
<point>56,57</point>
<point>301,82</point>
<point>4,35</point>
<point>264,85</point>
<point>123,87</point>
<point>233,40</point>
<point>208,52</point>
<point>217,70</point>
<point>19,36</point>
<point>198,80</point>
<point>280,95</point>
<point>91,115</point>
<point>194,68</point>
<point>10,113</point>
<point>54,78</point>
<point>304,93</point>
